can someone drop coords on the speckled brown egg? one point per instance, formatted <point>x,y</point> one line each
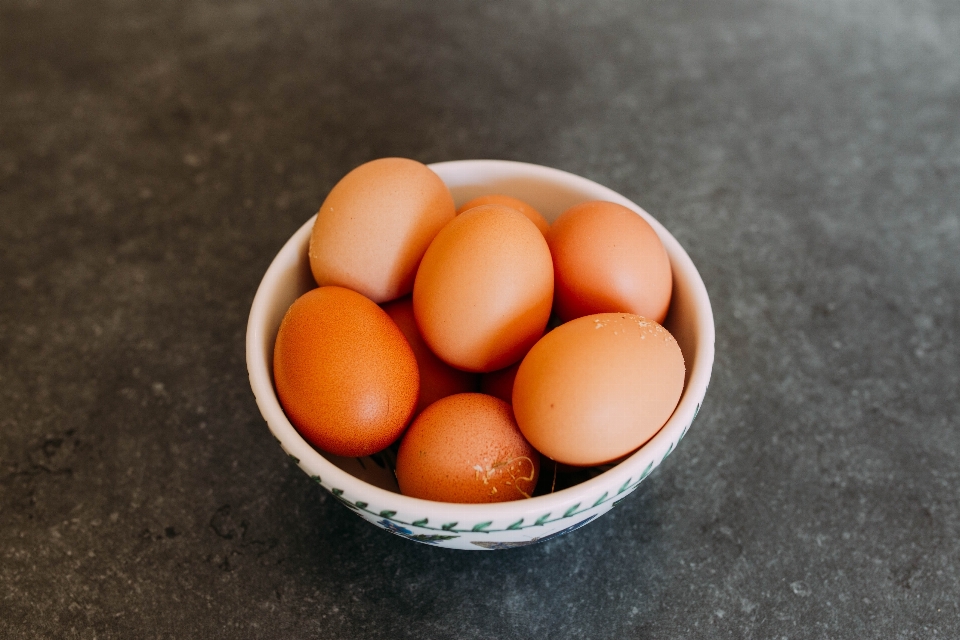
<point>375,225</point>
<point>484,289</point>
<point>598,387</point>
<point>467,448</point>
<point>344,373</point>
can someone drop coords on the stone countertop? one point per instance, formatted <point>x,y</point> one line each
<point>155,156</point>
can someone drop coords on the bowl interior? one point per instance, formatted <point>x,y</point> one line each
<point>551,192</point>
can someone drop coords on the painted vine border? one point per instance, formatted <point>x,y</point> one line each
<point>483,527</point>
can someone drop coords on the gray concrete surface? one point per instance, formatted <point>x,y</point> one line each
<point>155,155</point>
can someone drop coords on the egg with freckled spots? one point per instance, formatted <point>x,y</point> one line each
<point>466,448</point>
<point>344,373</point>
<point>598,387</point>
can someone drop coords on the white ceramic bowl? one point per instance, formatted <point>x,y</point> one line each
<point>367,485</point>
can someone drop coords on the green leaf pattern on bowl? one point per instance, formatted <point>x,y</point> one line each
<point>483,527</point>
<point>389,521</point>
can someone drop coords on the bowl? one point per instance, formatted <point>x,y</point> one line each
<point>368,487</point>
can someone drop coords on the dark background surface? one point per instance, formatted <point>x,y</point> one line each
<point>154,156</point>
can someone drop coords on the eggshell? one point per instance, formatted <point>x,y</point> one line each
<point>437,378</point>
<point>509,201</point>
<point>598,387</point>
<point>607,259</point>
<point>467,448</point>
<point>499,383</point>
<point>484,289</point>
<point>344,373</point>
<point>375,225</point>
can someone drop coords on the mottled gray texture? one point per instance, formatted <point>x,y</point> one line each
<point>155,155</point>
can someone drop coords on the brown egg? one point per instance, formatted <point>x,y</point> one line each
<point>509,201</point>
<point>606,259</point>
<point>499,383</point>
<point>484,289</point>
<point>437,378</point>
<point>375,225</point>
<point>467,448</point>
<point>598,387</point>
<point>345,375</point>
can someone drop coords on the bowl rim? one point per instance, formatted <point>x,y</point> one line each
<point>264,392</point>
